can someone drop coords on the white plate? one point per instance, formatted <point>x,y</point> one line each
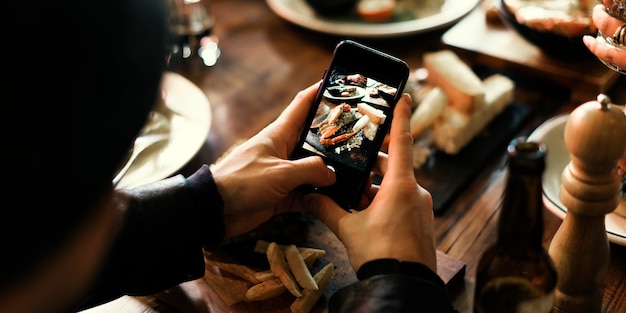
<point>424,16</point>
<point>187,113</point>
<point>551,134</point>
<point>359,93</point>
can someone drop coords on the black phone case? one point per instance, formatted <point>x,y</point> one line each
<point>353,166</point>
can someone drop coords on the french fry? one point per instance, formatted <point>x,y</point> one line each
<point>278,265</point>
<point>261,246</point>
<point>238,270</point>
<point>264,275</point>
<point>309,298</point>
<point>299,269</point>
<point>309,254</point>
<point>266,290</point>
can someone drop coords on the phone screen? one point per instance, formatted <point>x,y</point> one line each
<point>351,116</point>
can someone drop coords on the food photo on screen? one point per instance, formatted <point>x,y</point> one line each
<point>348,118</point>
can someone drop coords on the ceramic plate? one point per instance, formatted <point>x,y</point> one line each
<point>423,16</point>
<point>358,93</point>
<point>551,134</point>
<point>185,114</point>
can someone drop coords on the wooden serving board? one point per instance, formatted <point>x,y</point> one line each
<point>198,296</point>
<point>496,46</point>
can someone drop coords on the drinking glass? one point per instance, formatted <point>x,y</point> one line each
<point>191,23</point>
<point>617,9</point>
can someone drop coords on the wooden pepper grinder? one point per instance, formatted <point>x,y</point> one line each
<point>595,135</point>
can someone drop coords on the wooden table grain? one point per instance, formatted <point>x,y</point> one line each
<point>265,61</point>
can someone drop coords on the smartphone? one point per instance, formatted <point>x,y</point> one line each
<point>351,116</point>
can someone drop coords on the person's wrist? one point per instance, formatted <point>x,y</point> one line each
<point>389,266</point>
<point>210,205</point>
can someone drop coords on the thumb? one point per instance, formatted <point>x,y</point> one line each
<point>313,171</point>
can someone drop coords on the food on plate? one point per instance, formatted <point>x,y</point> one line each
<point>332,7</point>
<point>456,128</point>
<point>343,91</point>
<point>305,303</point>
<point>280,268</point>
<point>562,17</point>
<point>249,285</point>
<point>463,87</point>
<point>376,10</point>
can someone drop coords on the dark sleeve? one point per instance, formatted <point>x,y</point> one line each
<point>387,285</point>
<point>165,226</point>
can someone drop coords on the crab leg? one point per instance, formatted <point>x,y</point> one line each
<point>360,124</point>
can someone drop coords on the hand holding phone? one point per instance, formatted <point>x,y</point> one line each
<point>351,116</point>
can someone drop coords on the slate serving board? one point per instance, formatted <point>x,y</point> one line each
<point>446,176</point>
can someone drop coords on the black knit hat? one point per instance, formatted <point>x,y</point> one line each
<point>76,92</point>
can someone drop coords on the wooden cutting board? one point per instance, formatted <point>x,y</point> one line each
<point>198,296</point>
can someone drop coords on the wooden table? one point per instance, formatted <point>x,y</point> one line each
<point>265,61</point>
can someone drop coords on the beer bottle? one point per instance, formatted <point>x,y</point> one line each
<point>516,273</point>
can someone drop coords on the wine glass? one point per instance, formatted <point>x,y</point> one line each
<point>617,9</point>
<point>191,24</point>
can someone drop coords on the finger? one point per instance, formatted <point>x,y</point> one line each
<point>313,171</point>
<point>370,192</point>
<point>380,167</point>
<point>608,54</point>
<point>367,197</point>
<point>325,209</point>
<point>400,145</point>
<point>605,22</point>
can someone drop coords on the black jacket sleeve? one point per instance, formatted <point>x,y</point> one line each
<point>387,285</point>
<point>159,245</point>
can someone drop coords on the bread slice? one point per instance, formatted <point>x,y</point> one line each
<point>464,89</point>
<point>455,128</point>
